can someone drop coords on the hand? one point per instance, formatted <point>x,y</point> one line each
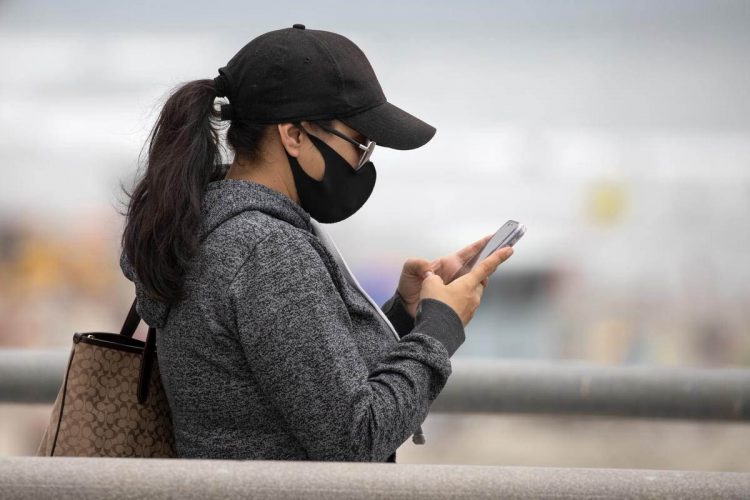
<point>415,271</point>
<point>464,294</point>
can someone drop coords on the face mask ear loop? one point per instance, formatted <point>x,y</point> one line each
<point>302,129</point>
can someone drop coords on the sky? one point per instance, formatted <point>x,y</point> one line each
<point>617,131</point>
<point>533,101</point>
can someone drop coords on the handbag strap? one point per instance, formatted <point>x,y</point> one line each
<point>147,357</point>
<point>147,361</point>
<point>131,321</point>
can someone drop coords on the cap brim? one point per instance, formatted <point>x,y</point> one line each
<point>391,127</point>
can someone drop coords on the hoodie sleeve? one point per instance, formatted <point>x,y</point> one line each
<point>397,314</point>
<point>295,332</point>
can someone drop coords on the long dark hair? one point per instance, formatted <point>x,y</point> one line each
<point>162,224</point>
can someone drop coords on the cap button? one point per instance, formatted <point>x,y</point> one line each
<point>299,26</point>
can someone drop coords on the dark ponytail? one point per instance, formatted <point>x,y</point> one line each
<point>163,216</point>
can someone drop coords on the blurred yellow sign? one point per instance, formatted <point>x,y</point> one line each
<point>607,202</point>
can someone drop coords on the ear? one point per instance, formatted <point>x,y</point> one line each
<point>291,138</point>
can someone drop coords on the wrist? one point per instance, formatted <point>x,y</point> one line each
<point>408,308</point>
<point>439,320</point>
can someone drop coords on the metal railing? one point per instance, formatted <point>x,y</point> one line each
<point>485,386</point>
<point>493,386</point>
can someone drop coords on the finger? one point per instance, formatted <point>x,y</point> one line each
<point>430,275</point>
<point>486,267</point>
<point>417,267</point>
<point>468,252</point>
<point>436,265</point>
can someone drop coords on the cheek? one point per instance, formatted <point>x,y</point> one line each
<point>312,162</point>
<point>352,157</point>
<point>346,151</point>
<point>349,154</point>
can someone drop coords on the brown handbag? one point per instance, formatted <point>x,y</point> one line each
<point>112,402</point>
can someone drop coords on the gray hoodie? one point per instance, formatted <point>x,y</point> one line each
<point>275,355</point>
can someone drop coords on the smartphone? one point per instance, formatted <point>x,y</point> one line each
<point>508,234</point>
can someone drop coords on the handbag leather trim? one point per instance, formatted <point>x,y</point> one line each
<point>149,352</point>
<point>110,340</point>
<point>131,321</point>
<point>62,402</point>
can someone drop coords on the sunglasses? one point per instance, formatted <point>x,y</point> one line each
<point>367,148</point>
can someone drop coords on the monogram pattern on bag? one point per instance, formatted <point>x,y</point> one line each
<point>97,413</point>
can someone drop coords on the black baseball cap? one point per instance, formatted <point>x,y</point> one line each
<point>296,74</point>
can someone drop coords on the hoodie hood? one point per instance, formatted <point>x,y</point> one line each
<point>222,200</point>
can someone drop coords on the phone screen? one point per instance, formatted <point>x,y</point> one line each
<point>507,235</point>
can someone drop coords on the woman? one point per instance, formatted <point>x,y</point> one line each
<point>267,346</point>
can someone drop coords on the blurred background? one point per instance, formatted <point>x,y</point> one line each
<point>618,131</point>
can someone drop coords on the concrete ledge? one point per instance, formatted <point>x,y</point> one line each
<point>60,478</point>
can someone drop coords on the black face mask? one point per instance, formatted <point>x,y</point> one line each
<point>342,190</point>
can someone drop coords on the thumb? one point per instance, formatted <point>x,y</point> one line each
<point>417,267</point>
<point>486,267</point>
<point>429,275</point>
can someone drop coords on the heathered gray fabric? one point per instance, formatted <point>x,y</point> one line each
<point>274,355</point>
<point>326,239</point>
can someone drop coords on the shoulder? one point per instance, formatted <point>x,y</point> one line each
<point>286,285</point>
<point>247,240</point>
<point>246,229</point>
<point>286,275</point>
<point>289,246</point>
<point>274,250</point>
